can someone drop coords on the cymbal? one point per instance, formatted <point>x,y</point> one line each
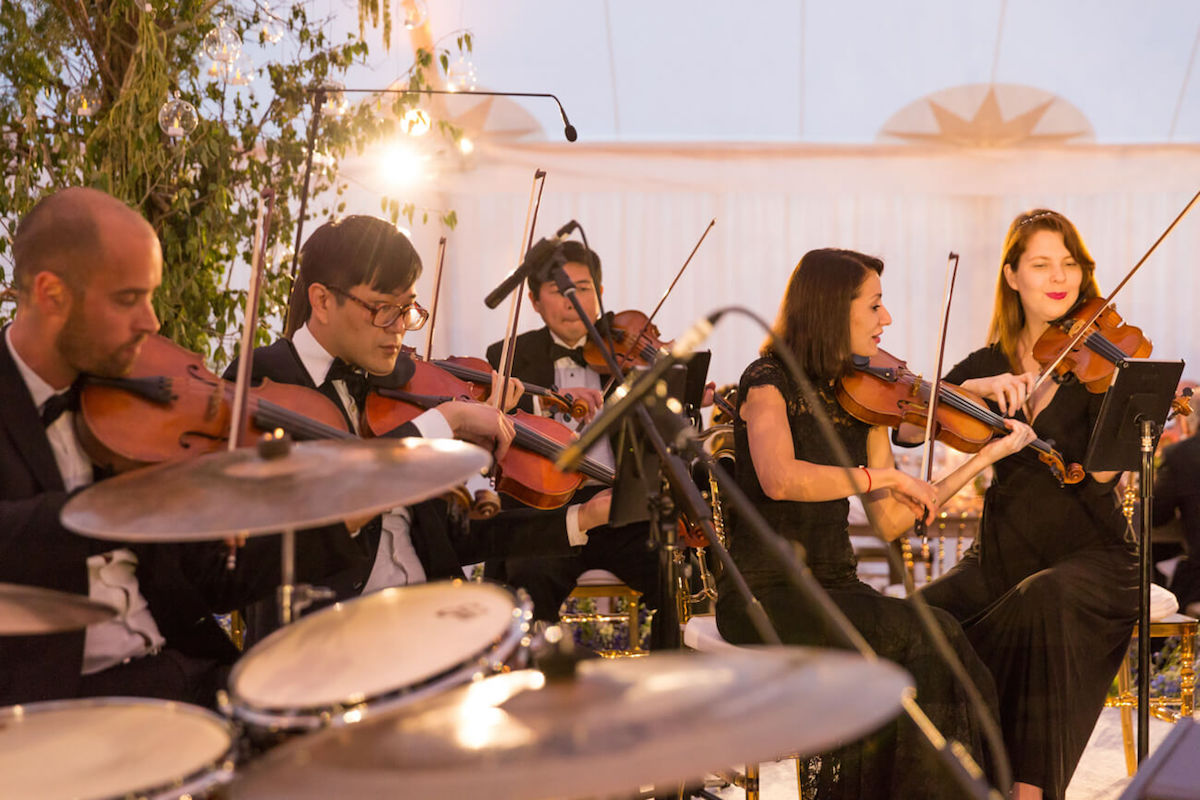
<point>219,495</point>
<point>26,610</point>
<point>615,726</point>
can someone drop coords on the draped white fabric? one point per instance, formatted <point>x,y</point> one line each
<point>643,207</point>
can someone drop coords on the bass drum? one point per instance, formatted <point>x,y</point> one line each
<point>113,747</point>
<point>374,653</point>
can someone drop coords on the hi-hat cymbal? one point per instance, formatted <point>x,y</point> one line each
<point>26,610</point>
<point>617,725</point>
<point>240,492</point>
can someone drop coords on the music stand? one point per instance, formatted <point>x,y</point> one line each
<point>637,474</point>
<point>1131,419</point>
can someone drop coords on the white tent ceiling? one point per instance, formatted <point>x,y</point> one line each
<point>814,70</point>
<point>770,115</point>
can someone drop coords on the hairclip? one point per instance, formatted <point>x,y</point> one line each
<point>1037,216</point>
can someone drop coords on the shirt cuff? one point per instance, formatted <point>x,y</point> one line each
<point>432,425</point>
<point>575,536</point>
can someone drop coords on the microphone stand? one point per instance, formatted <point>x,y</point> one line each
<point>663,512</point>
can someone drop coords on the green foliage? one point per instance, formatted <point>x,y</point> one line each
<point>200,192</point>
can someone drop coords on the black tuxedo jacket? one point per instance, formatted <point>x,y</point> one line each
<point>532,360</point>
<point>443,544</point>
<point>184,584</point>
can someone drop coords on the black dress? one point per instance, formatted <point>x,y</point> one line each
<point>893,762</point>
<point>1048,593</point>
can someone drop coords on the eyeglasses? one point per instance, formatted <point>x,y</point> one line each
<point>413,316</point>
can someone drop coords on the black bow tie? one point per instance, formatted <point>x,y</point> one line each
<point>557,351</point>
<point>54,407</point>
<point>354,378</point>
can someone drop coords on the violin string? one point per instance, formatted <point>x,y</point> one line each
<point>543,445</point>
<point>984,415</point>
<point>278,416</point>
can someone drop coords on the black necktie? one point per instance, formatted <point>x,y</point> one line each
<point>354,378</point>
<point>53,408</point>
<point>557,351</point>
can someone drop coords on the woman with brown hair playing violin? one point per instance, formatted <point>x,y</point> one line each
<point>832,311</point>
<point>1048,592</point>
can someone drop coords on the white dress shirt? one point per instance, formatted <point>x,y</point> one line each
<point>567,373</point>
<point>112,576</point>
<point>396,561</point>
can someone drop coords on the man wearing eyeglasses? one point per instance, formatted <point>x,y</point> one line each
<point>352,303</point>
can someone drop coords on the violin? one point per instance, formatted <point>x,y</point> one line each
<point>526,473</point>
<point>635,342</point>
<point>478,372</point>
<point>1108,342</point>
<point>882,391</point>
<point>171,406</point>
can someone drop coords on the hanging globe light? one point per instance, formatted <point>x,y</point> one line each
<point>272,28</point>
<point>461,76</point>
<point>177,117</point>
<point>415,13</point>
<point>222,43</point>
<point>83,100</point>
<point>335,104</point>
<point>240,72</point>
<point>415,122</point>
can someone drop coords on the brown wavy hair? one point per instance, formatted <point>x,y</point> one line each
<point>814,317</point>
<point>1008,315</point>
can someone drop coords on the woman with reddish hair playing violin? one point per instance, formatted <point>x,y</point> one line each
<point>832,311</point>
<point>1048,593</point>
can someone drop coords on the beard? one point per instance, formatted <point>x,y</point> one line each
<point>78,346</point>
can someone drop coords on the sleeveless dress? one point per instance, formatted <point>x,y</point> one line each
<point>894,761</point>
<point>1048,593</point>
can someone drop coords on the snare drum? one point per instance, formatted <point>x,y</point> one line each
<point>113,747</point>
<point>376,652</point>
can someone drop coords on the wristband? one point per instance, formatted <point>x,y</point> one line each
<point>869,483</point>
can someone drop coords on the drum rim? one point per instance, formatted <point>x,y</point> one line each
<point>209,775</point>
<point>306,718</point>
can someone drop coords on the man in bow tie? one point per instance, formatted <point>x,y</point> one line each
<point>353,302</point>
<point>553,356</point>
<point>85,270</point>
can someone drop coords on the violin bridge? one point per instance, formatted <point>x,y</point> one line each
<point>915,389</point>
<point>213,406</point>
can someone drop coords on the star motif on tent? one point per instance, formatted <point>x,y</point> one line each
<point>987,126</point>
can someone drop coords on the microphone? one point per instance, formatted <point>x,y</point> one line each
<point>680,352</point>
<point>568,128</point>
<point>534,258</point>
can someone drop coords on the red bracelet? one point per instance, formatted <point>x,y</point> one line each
<point>869,484</point>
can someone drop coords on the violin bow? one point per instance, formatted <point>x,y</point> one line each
<point>437,293</point>
<point>514,309</point>
<point>935,384</point>
<point>240,407</point>
<point>1082,330</point>
<point>678,275</point>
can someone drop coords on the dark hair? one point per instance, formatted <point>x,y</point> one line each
<point>565,253</point>
<point>349,252</point>
<point>60,235</point>
<point>1008,315</point>
<point>814,317</point>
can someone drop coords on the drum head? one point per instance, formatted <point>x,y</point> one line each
<point>110,747</point>
<point>394,640</point>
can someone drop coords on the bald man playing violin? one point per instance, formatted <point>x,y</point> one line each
<point>352,304</point>
<point>86,269</point>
